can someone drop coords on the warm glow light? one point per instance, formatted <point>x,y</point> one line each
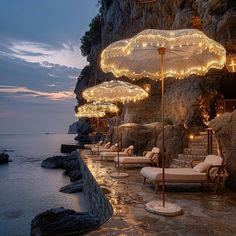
<point>196,54</point>
<point>113,91</point>
<point>95,109</point>
<point>191,136</point>
<point>231,62</point>
<point>147,87</point>
<point>90,114</point>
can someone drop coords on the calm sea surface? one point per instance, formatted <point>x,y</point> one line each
<point>26,189</point>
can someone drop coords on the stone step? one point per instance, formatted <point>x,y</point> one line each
<point>195,151</point>
<point>189,157</point>
<point>181,163</point>
<point>200,145</point>
<point>174,166</point>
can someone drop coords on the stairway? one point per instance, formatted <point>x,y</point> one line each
<point>196,150</point>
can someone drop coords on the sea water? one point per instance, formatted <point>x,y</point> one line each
<point>26,188</point>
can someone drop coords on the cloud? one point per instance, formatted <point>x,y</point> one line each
<point>67,54</point>
<point>23,92</point>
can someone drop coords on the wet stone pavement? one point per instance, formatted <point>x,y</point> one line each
<point>204,212</point>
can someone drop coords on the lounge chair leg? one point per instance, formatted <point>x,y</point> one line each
<point>115,164</point>
<point>144,180</point>
<point>156,188</point>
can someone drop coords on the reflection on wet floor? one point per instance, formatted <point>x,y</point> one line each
<point>204,211</point>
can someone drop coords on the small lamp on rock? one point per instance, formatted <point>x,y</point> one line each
<point>231,62</point>
<point>147,87</point>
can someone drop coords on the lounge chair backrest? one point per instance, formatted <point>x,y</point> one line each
<point>107,145</point>
<point>214,160</point>
<point>114,147</point>
<point>100,143</point>
<point>149,154</point>
<point>156,150</point>
<point>130,150</point>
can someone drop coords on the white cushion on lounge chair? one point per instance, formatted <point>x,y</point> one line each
<point>133,159</point>
<point>201,167</point>
<point>213,160</point>
<point>182,174</point>
<point>103,149</point>
<point>111,155</point>
<point>147,159</point>
<point>173,174</point>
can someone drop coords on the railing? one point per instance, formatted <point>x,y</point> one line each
<point>225,105</point>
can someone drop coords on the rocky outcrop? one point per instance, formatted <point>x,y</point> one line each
<point>73,128</point>
<point>54,162</point>
<point>83,129</point>
<point>224,127</point>
<point>174,141</point>
<point>4,158</point>
<point>77,186</point>
<point>62,222</point>
<point>190,102</point>
<point>69,163</point>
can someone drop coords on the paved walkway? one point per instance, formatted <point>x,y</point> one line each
<point>204,212</point>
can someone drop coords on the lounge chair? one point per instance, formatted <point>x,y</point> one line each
<point>111,155</point>
<point>93,145</point>
<point>206,171</point>
<point>106,148</point>
<point>149,157</point>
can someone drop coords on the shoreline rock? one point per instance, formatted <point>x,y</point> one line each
<point>4,158</point>
<point>75,187</point>
<point>60,221</point>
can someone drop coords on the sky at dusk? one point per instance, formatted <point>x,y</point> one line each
<point>40,60</point>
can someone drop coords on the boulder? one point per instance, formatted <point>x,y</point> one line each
<point>224,127</point>
<point>77,186</point>
<point>74,175</point>
<point>66,162</point>
<point>4,158</point>
<point>54,162</point>
<point>62,222</point>
<point>174,141</point>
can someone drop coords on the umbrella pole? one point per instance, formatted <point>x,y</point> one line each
<point>117,135</point>
<point>162,53</point>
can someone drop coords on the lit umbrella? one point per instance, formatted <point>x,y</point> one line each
<point>96,110</point>
<point>115,91</point>
<point>163,53</point>
<point>97,107</point>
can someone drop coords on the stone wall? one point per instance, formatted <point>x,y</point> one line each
<point>96,201</point>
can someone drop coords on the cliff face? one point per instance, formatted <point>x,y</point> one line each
<point>189,102</point>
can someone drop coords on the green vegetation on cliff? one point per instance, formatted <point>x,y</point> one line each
<point>92,36</point>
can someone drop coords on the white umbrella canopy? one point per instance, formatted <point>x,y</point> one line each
<point>115,91</point>
<point>90,114</point>
<point>187,51</point>
<point>97,107</point>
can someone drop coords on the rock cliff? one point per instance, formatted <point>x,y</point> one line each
<point>189,102</point>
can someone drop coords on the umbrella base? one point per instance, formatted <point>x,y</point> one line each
<point>118,175</point>
<point>170,209</point>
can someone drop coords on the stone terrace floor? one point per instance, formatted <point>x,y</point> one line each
<point>204,211</point>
